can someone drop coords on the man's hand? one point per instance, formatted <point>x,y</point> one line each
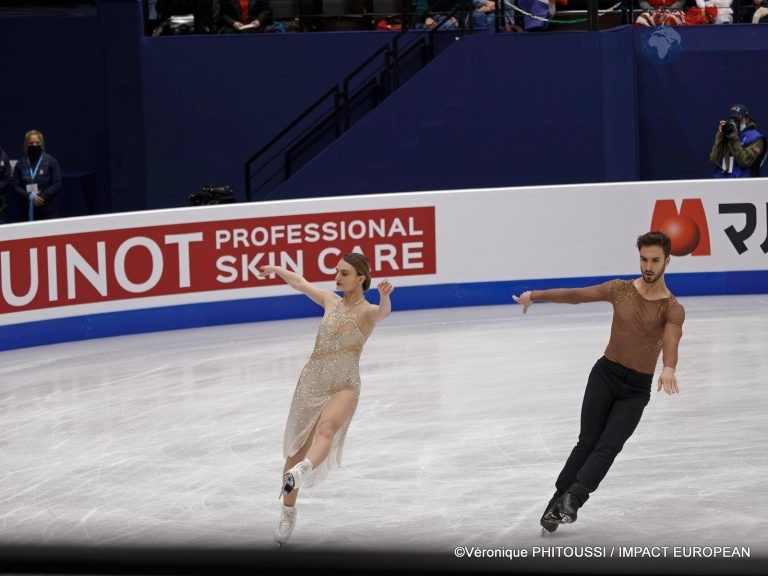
<point>667,381</point>
<point>524,300</point>
<point>734,136</point>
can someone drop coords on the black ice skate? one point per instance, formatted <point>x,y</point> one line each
<point>567,508</point>
<point>550,520</point>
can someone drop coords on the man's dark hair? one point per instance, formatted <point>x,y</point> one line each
<point>655,238</point>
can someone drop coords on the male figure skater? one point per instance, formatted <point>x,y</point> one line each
<point>647,320</point>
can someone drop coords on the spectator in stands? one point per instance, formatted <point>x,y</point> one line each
<point>661,13</point>
<point>174,17</point>
<point>739,150</point>
<point>187,16</point>
<point>709,12</point>
<point>37,179</point>
<point>208,16</point>
<point>755,12</point>
<point>239,16</point>
<point>724,10</point>
<point>6,179</point>
<point>701,16</point>
<point>484,15</point>
<point>538,13</point>
<point>167,8</point>
<point>440,14</point>
<point>672,13</point>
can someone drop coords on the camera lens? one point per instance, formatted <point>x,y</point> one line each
<point>729,128</point>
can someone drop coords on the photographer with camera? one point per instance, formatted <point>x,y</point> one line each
<point>739,149</point>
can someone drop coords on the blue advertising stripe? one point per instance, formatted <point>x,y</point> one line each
<point>104,325</point>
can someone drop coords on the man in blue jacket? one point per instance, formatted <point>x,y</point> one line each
<point>739,149</point>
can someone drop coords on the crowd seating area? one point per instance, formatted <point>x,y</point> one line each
<point>139,122</point>
<point>359,15</point>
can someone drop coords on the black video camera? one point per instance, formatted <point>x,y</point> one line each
<point>212,195</point>
<point>730,126</point>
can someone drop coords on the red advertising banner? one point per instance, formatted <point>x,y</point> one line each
<point>172,259</point>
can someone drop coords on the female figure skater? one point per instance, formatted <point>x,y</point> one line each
<point>329,386</point>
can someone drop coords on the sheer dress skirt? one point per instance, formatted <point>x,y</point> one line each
<point>334,366</point>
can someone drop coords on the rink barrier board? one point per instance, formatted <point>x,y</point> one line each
<point>105,325</point>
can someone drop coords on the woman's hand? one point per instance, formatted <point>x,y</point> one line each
<point>385,288</point>
<point>267,270</point>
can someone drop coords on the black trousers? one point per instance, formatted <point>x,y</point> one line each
<point>613,403</point>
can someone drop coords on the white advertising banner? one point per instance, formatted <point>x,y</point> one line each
<point>142,260</point>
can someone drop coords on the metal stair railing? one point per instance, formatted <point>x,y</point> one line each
<point>337,110</point>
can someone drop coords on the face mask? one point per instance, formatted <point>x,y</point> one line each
<point>742,127</point>
<point>33,151</point>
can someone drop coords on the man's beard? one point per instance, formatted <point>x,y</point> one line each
<point>655,277</point>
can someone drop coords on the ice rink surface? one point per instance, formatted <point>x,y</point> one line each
<point>465,419</point>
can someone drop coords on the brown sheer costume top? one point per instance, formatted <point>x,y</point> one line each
<point>639,325</point>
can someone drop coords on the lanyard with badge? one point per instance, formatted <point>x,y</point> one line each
<point>32,187</point>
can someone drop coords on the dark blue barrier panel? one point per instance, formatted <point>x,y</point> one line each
<point>619,104</point>
<point>78,194</point>
<point>597,111</point>
<point>493,110</point>
<point>54,80</point>
<point>122,26</point>
<point>213,101</point>
<point>298,306</point>
<point>681,102</point>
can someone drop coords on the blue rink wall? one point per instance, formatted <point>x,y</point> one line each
<point>105,325</point>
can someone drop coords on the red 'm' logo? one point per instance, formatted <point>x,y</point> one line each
<point>687,229</point>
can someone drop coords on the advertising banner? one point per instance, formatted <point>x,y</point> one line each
<point>445,248</point>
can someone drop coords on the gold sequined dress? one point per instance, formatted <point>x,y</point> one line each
<point>333,366</point>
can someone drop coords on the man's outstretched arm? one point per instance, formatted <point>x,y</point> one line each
<point>596,293</point>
